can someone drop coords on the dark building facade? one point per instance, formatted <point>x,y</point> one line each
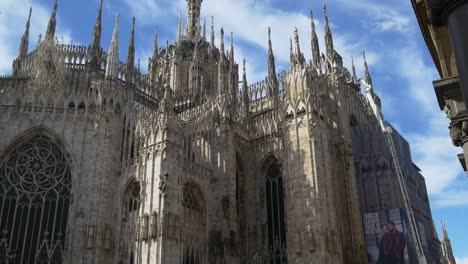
<point>380,193</point>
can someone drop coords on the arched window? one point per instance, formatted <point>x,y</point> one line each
<point>130,227</point>
<point>35,184</point>
<point>193,224</point>
<point>274,197</point>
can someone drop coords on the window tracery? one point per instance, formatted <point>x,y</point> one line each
<point>276,222</point>
<point>35,186</point>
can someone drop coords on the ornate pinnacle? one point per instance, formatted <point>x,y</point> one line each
<point>166,67</point>
<point>113,57</point>
<point>25,39</point>
<point>353,70</point>
<point>271,65</point>
<point>314,42</point>
<point>180,29</point>
<point>222,43</point>
<point>154,59</point>
<point>131,52</point>
<point>328,34</point>
<point>232,48</point>
<point>212,33</point>
<point>245,88</point>
<point>204,29</point>
<point>366,68</point>
<point>96,42</point>
<point>50,33</point>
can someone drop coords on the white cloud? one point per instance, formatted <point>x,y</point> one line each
<point>380,15</point>
<point>452,197</point>
<point>12,25</point>
<point>462,260</point>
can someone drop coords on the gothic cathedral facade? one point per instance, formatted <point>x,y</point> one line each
<point>188,163</point>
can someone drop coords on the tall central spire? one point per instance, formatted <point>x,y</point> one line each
<point>193,8</point>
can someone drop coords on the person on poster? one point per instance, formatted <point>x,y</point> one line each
<point>385,246</point>
<point>397,252</point>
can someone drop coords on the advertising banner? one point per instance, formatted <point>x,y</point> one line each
<point>388,237</point>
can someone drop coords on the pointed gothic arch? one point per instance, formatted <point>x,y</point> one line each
<point>130,221</point>
<point>276,234</point>
<point>193,224</point>
<point>35,191</point>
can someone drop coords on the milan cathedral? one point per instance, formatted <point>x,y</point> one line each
<point>189,163</point>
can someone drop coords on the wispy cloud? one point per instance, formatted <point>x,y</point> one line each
<point>379,15</point>
<point>462,260</point>
<point>12,25</point>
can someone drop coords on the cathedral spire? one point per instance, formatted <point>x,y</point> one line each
<point>353,70</point>
<point>291,53</point>
<point>180,29</point>
<point>366,68</point>
<point>448,256</point>
<point>328,34</point>
<point>245,90</point>
<point>96,42</point>
<point>231,53</point>
<point>272,81</point>
<point>193,8</point>
<point>212,33</point>
<point>299,56</point>
<point>113,57</point>
<point>315,43</point>
<point>155,45</point>
<point>25,39</point>
<point>221,65</point>
<point>131,53</point>
<point>50,33</point>
<point>154,59</point>
<point>204,29</point>
<point>222,44</point>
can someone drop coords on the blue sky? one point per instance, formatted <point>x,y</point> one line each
<point>400,64</point>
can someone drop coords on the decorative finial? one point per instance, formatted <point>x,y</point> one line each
<point>96,41</point>
<point>24,47</point>
<point>353,68</point>
<point>314,42</point>
<point>328,33</point>
<point>204,29</point>
<point>366,68</point>
<point>131,53</point>
<point>113,58</point>
<point>222,42</point>
<point>212,33</point>
<point>50,33</point>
